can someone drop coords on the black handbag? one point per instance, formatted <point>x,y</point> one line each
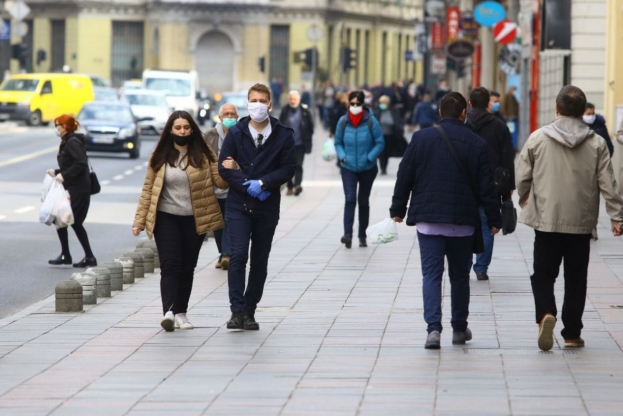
<point>95,183</point>
<point>509,216</point>
<point>479,242</point>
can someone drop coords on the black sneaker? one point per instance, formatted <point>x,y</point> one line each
<point>482,276</point>
<point>249,322</point>
<point>236,321</point>
<point>347,240</point>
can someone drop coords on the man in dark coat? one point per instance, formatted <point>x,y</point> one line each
<point>298,117</point>
<point>597,123</point>
<point>263,151</point>
<point>502,158</point>
<point>444,207</point>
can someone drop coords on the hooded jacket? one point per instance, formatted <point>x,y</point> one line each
<point>74,165</point>
<point>357,148</point>
<point>560,172</point>
<point>495,132</point>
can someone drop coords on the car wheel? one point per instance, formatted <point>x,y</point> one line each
<point>34,119</point>
<point>136,152</point>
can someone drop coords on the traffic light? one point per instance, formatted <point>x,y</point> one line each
<point>261,61</point>
<point>311,57</point>
<point>348,58</point>
<point>42,55</point>
<point>20,51</point>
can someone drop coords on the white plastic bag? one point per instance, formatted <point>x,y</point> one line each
<point>328,150</point>
<point>64,214</point>
<point>53,201</point>
<point>382,232</point>
<point>45,188</point>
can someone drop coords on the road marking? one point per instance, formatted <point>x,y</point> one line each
<point>118,178</point>
<point>2,217</point>
<point>24,210</point>
<point>104,183</point>
<point>138,167</point>
<point>128,172</point>
<point>28,156</point>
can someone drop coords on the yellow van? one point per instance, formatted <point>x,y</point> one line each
<point>40,98</point>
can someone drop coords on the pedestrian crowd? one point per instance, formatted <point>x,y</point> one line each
<point>454,183</point>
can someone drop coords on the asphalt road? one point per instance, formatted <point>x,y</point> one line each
<point>26,245</point>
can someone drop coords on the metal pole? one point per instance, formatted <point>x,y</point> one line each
<point>313,68</point>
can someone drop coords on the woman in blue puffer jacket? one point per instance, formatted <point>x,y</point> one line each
<point>358,143</point>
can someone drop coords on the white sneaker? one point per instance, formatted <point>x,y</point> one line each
<point>168,322</point>
<point>182,322</point>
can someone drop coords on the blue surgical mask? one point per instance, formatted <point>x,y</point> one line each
<point>383,106</point>
<point>229,122</point>
<point>495,107</point>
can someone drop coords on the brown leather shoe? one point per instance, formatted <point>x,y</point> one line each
<point>290,192</point>
<point>574,343</point>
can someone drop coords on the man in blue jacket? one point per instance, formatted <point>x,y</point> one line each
<point>263,151</point>
<point>444,208</point>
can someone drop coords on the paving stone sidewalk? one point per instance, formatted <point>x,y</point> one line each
<point>341,333</point>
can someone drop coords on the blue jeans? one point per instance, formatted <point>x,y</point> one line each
<point>222,236</point>
<point>255,228</point>
<point>458,250</point>
<point>483,260</point>
<point>350,180</point>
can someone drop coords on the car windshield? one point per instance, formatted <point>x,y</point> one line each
<point>170,86</point>
<point>146,99</point>
<point>116,113</point>
<point>105,95</point>
<point>20,85</point>
<point>239,100</point>
<point>98,82</point>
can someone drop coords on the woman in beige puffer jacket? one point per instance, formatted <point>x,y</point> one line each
<point>177,207</point>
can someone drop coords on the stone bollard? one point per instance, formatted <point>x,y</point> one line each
<point>148,258</point>
<point>89,287</point>
<point>139,269</point>
<point>116,274</point>
<point>152,245</point>
<point>68,296</point>
<point>103,280</point>
<point>128,269</point>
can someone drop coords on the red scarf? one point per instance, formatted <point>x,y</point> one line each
<point>355,119</point>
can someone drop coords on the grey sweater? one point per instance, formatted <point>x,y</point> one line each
<point>175,196</point>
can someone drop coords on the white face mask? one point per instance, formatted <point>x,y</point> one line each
<point>356,110</point>
<point>589,119</point>
<point>58,133</point>
<point>258,112</point>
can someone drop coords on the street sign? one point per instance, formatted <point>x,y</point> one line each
<point>453,18</point>
<point>438,64</point>
<point>18,10</point>
<point>438,40</point>
<point>460,49</point>
<point>5,30</point>
<point>488,13</point>
<point>469,26</point>
<point>505,32</point>
<point>314,33</point>
<point>408,56</point>
<point>509,59</point>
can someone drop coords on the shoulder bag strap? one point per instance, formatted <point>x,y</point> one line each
<point>468,178</point>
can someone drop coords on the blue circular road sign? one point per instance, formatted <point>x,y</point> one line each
<point>488,13</point>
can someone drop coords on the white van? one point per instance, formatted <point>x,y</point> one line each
<point>180,88</point>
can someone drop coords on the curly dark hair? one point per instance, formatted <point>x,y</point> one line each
<point>166,152</point>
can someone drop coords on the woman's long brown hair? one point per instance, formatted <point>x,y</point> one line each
<point>167,153</point>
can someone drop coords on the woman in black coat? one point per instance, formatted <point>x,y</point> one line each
<point>75,177</point>
<point>393,131</point>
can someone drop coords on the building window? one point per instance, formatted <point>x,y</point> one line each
<point>127,51</point>
<point>279,67</point>
<point>57,53</point>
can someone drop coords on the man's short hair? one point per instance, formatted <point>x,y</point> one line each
<point>479,97</point>
<point>571,101</point>
<point>494,93</point>
<point>452,105</point>
<point>260,88</point>
<point>590,106</point>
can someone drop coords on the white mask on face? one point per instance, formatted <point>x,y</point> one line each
<point>589,119</point>
<point>258,112</point>
<point>58,133</point>
<point>356,110</point>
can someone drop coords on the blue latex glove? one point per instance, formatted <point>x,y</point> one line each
<point>254,189</point>
<point>263,195</point>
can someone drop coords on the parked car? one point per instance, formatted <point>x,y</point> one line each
<point>105,94</point>
<point>110,127</point>
<point>239,99</point>
<point>132,84</point>
<point>151,106</point>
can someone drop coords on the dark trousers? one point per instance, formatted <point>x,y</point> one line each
<point>178,246</point>
<point>299,151</point>
<point>550,249</point>
<point>255,228</point>
<point>80,207</point>
<point>433,250</point>
<point>384,156</point>
<point>350,180</point>
<point>222,236</point>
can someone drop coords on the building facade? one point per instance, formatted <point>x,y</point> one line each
<point>222,40</point>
